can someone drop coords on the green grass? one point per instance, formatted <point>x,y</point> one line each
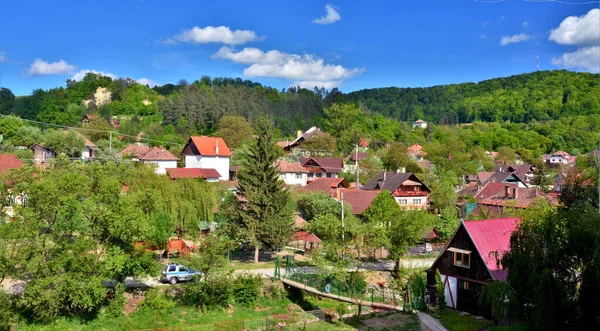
<point>454,321</point>
<point>517,327</point>
<point>176,316</point>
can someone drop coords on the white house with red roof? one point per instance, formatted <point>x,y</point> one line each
<point>292,173</point>
<point>160,157</point>
<point>419,124</point>
<point>470,260</point>
<point>561,157</point>
<point>208,153</point>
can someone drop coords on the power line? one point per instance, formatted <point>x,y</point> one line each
<point>91,130</point>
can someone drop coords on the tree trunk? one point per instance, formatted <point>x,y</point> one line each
<point>256,254</point>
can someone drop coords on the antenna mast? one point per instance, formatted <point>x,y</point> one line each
<point>537,62</point>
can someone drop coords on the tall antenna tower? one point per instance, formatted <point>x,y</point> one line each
<point>537,62</point>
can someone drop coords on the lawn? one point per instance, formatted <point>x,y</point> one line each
<point>454,321</point>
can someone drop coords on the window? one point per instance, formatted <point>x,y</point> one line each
<point>464,285</point>
<point>328,175</point>
<point>319,175</point>
<point>282,176</point>
<point>416,201</point>
<point>403,202</point>
<point>298,176</point>
<point>462,259</point>
<point>172,268</point>
<point>183,269</point>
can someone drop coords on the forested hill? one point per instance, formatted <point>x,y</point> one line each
<point>534,96</point>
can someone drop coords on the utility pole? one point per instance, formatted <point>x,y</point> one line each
<point>342,197</point>
<point>356,163</point>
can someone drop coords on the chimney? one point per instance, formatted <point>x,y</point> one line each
<point>217,147</point>
<point>298,134</point>
<point>507,191</point>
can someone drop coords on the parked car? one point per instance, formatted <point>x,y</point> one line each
<point>174,273</point>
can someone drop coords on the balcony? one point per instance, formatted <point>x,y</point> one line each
<point>410,193</point>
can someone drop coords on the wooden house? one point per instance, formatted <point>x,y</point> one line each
<point>470,260</point>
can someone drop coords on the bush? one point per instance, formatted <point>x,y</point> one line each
<point>357,283</point>
<point>6,313</point>
<point>117,302</point>
<point>246,288</point>
<point>440,290</point>
<point>156,302</point>
<point>275,291</point>
<point>216,292</point>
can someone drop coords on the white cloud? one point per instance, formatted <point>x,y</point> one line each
<point>81,74</point>
<point>146,81</point>
<point>483,36</point>
<point>3,56</point>
<point>41,68</point>
<point>305,70</point>
<point>506,40</point>
<point>486,24</point>
<point>583,58</point>
<point>332,16</point>
<point>578,30</point>
<point>212,34</point>
<point>525,25</point>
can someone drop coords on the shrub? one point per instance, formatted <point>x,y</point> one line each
<point>246,288</point>
<point>156,302</point>
<point>117,302</point>
<point>275,291</point>
<point>357,282</point>
<point>439,290</point>
<point>6,313</point>
<point>216,292</point>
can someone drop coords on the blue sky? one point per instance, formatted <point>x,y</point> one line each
<point>349,44</point>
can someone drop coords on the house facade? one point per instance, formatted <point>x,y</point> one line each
<point>525,171</point>
<point>319,167</point>
<point>292,173</point>
<point>208,153</point>
<point>42,154</point>
<point>415,152</point>
<point>408,190</point>
<point>300,138</point>
<point>495,199</point>
<point>468,262</point>
<point>161,158</point>
<point>560,157</point>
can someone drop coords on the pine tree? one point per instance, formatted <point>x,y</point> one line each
<point>265,217</point>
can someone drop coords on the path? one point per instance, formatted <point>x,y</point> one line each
<point>430,322</point>
<point>339,297</point>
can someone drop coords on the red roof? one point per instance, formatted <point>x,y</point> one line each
<point>495,194</point>
<point>324,185</point>
<point>300,222</point>
<point>135,150</point>
<point>175,173</point>
<point>491,237</point>
<point>363,143</point>
<point>9,161</point>
<point>207,146</point>
<point>562,153</point>
<point>359,156</point>
<point>289,167</point>
<point>328,164</point>
<point>306,236</point>
<point>415,149</point>
<point>360,200</point>
<point>282,144</point>
<point>158,154</point>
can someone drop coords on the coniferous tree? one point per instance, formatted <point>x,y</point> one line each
<point>265,217</point>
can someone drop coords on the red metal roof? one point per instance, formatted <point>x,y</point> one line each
<point>300,222</point>
<point>136,150</point>
<point>207,146</point>
<point>9,161</point>
<point>324,185</point>
<point>306,236</point>
<point>175,173</point>
<point>329,164</point>
<point>490,237</point>
<point>360,200</point>
<point>289,167</point>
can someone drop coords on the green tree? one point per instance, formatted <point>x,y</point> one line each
<point>320,143</point>
<point>7,101</point>
<point>235,130</point>
<point>264,218</point>
<point>211,257</point>
<point>69,143</point>
<point>440,291</point>
<point>407,230</point>
<point>317,204</point>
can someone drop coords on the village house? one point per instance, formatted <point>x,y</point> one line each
<point>362,143</point>
<point>9,162</point>
<point>134,151</point>
<point>325,185</point>
<point>359,200</point>
<point>210,175</point>
<point>161,157</point>
<point>500,177</point>
<point>300,138</point>
<point>415,153</point>
<point>208,153</point>
<point>292,173</point>
<point>42,154</point>
<point>526,172</point>
<point>469,262</point>
<point>319,167</point>
<point>408,190</point>
<point>561,157</point>
<point>496,198</point>
<point>419,124</point>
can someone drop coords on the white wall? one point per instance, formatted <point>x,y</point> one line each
<point>219,163</point>
<point>161,166</point>
<point>86,152</point>
<point>290,178</point>
<point>558,159</point>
